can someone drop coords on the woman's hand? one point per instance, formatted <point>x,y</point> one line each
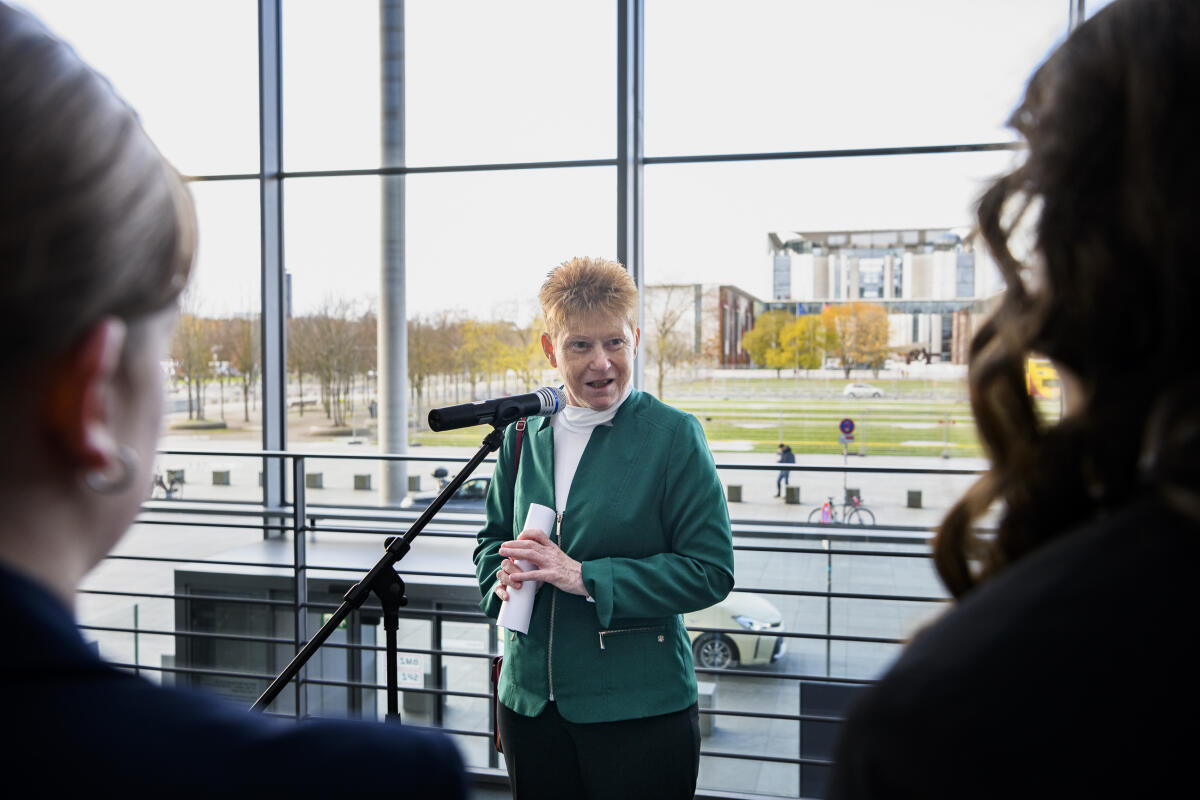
<point>553,565</point>
<point>504,581</point>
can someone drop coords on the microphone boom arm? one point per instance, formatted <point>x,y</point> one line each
<point>387,585</point>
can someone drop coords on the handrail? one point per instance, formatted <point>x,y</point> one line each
<point>296,520</point>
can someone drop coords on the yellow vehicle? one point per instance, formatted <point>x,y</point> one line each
<point>1041,379</point>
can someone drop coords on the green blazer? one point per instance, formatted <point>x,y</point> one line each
<point>647,519</point>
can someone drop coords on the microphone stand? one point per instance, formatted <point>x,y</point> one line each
<point>387,586</point>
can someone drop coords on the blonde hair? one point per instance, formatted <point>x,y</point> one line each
<point>588,287</point>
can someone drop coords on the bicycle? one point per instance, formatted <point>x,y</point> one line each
<point>852,513</point>
<point>170,487</point>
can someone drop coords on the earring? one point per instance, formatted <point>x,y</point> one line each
<point>115,480</point>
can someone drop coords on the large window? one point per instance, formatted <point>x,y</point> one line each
<point>797,155</point>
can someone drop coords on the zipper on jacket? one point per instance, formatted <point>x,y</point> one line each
<point>629,630</point>
<point>553,605</point>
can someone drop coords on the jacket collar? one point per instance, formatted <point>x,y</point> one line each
<point>635,398</point>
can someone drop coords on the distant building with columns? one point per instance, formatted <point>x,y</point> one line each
<point>933,282</point>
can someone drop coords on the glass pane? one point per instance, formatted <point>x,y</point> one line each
<point>491,82</point>
<point>709,223</point>
<point>796,75</point>
<point>189,70</point>
<point>478,246</point>
<point>330,85</point>
<point>729,246</point>
<point>213,393</point>
<point>484,82</point>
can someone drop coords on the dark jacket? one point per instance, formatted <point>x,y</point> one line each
<point>1065,676</point>
<point>647,518</point>
<point>76,723</point>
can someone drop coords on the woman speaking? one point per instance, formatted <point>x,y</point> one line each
<point>598,699</point>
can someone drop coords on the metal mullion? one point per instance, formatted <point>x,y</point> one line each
<point>506,166</point>
<point>379,648</point>
<point>460,732</point>
<point>788,676</point>
<point>815,762</point>
<point>902,598</point>
<point>300,577</point>
<point>727,712</point>
<point>232,176</point>
<point>205,562</point>
<point>235,637</point>
<point>831,637</point>
<point>191,671</point>
<point>388,531</point>
<point>853,152</point>
<point>1076,14</point>
<point>173,596</point>
<point>380,687</point>
<point>189,524</point>
<point>853,470</point>
<point>752,548</point>
<point>274,314</point>
<point>630,208</point>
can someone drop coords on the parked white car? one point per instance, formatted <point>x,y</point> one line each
<point>861,390</point>
<point>749,620</point>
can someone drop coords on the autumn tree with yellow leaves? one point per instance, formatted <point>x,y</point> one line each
<point>861,331</point>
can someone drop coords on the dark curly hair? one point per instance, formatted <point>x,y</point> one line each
<point>1111,189</point>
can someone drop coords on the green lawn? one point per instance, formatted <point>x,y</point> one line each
<point>755,414</point>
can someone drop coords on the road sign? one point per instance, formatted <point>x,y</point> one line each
<point>846,426</point>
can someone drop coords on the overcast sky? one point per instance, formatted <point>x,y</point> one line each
<point>493,81</point>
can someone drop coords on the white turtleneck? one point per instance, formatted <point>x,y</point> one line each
<point>573,427</point>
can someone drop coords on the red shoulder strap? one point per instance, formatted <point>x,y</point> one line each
<point>520,436</point>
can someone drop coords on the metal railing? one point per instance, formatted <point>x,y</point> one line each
<point>289,561</point>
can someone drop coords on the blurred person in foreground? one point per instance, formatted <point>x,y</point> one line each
<point>1063,665</point>
<point>97,235</point>
<point>598,700</point>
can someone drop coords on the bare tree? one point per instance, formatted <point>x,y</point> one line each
<point>240,338</point>
<point>668,309</point>
<point>192,353</point>
<point>301,351</point>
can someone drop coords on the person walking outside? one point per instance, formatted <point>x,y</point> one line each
<point>786,456</point>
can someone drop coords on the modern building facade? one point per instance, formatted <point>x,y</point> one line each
<point>934,283</point>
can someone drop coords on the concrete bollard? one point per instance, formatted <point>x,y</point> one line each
<point>362,483</point>
<point>314,480</point>
<point>791,495</point>
<point>733,493</point>
<point>708,699</point>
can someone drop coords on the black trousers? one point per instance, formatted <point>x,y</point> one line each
<point>549,757</point>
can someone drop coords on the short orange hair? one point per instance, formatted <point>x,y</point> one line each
<point>587,287</point>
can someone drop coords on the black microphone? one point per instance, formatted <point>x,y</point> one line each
<point>545,402</point>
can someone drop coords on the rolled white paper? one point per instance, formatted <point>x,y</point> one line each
<point>516,610</point>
